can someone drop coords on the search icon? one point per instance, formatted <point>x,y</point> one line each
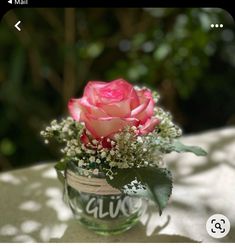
<point>218,226</point>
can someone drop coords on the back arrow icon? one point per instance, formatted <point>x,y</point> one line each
<point>17,26</point>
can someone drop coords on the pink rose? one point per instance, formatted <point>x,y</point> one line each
<point>106,108</point>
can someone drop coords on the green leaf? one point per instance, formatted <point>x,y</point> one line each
<point>60,166</point>
<point>61,176</point>
<point>148,182</point>
<point>179,147</point>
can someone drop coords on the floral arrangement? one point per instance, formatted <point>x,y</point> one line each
<point>119,130</point>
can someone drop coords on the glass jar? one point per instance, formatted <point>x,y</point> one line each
<point>97,205</point>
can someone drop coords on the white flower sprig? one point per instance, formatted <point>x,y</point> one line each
<point>125,150</point>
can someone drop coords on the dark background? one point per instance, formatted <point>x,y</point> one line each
<point>174,51</point>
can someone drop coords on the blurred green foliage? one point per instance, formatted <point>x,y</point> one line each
<point>174,51</point>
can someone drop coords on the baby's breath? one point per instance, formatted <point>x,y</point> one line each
<point>127,148</point>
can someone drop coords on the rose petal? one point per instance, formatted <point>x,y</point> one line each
<point>120,109</point>
<point>114,91</point>
<point>121,84</point>
<point>85,140</point>
<point>136,111</point>
<point>144,111</point>
<point>79,106</point>
<point>107,108</point>
<point>105,143</point>
<point>144,94</point>
<point>149,125</point>
<point>74,109</point>
<point>91,90</point>
<point>86,107</point>
<point>134,99</point>
<point>105,127</point>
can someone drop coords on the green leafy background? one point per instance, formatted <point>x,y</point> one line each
<point>174,51</point>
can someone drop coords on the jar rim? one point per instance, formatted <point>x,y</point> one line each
<point>88,183</point>
<point>82,171</point>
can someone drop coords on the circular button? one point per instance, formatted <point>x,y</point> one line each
<point>218,226</point>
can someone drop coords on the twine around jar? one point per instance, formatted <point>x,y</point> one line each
<point>97,186</point>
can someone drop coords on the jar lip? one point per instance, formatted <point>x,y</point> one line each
<point>82,171</point>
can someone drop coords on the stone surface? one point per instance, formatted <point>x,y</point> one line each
<point>32,209</point>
